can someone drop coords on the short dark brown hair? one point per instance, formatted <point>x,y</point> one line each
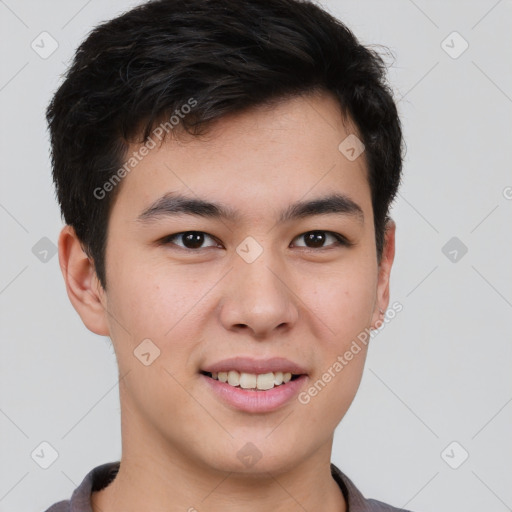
<point>133,71</point>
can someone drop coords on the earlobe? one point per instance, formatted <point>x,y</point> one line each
<point>82,285</point>
<point>388,255</point>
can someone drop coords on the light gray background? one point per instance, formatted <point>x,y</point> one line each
<point>438,373</point>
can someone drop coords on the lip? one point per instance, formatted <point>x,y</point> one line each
<point>250,400</point>
<point>257,366</point>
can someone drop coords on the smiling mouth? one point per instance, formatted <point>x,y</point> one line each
<point>253,381</point>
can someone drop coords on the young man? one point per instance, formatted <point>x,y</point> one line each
<point>225,171</point>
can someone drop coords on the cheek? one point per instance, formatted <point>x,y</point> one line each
<point>342,300</point>
<point>153,299</point>
<point>330,393</point>
<point>163,304</point>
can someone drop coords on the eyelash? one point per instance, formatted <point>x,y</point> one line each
<point>341,241</point>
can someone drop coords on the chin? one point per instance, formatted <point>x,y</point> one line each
<point>258,457</point>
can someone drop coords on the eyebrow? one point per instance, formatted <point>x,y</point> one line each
<point>174,204</point>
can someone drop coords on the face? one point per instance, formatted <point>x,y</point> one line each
<point>249,285</point>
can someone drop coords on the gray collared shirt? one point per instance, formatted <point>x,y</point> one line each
<point>101,476</point>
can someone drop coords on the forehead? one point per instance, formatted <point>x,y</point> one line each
<point>253,161</point>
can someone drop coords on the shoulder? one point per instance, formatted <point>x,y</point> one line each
<point>379,506</point>
<point>355,500</point>
<point>98,478</point>
<point>61,506</point>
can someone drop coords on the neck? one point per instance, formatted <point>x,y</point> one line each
<point>145,486</point>
<point>159,476</point>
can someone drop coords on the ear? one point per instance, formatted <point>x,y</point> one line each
<point>84,289</point>
<point>388,255</point>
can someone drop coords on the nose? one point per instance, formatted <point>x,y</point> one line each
<point>258,298</point>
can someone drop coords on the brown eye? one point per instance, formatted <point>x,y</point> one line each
<point>190,239</point>
<point>316,239</point>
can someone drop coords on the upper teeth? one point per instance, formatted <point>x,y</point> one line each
<point>262,381</point>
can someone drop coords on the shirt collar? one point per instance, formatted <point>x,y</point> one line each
<point>101,476</point>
